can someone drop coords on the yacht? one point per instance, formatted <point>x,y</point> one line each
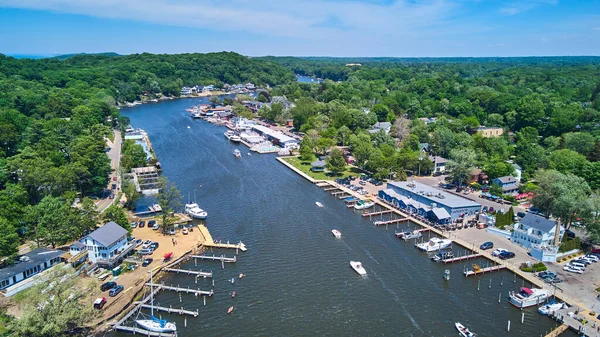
<point>195,211</point>
<point>154,324</point>
<point>235,139</point>
<point>357,266</point>
<point>412,235</point>
<point>336,233</point>
<point>528,297</point>
<point>463,331</point>
<point>155,208</point>
<point>364,204</point>
<point>237,153</point>
<point>434,244</point>
<point>442,256</point>
<point>551,307</point>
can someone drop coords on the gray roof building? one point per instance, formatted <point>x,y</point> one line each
<point>108,234</point>
<point>30,261</point>
<point>538,222</point>
<point>434,195</point>
<point>318,163</point>
<point>78,244</point>
<point>507,180</point>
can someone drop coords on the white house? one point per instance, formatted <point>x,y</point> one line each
<point>385,126</point>
<point>186,91</point>
<point>107,244</point>
<point>29,265</point>
<point>535,230</point>
<point>439,163</point>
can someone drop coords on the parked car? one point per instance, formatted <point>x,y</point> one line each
<point>487,245</point>
<point>521,214</point>
<point>172,231</point>
<point>99,303</point>
<point>156,227</point>
<point>544,274</point>
<point>184,231</point>
<point>362,182</point>
<point>133,224</point>
<point>142,223</point>
<point>154,245</point>
<point>570,234</point>
<point>146,245</point>
<point>593,257</point>
<point>115,291</point>
<point>138,242</point>
<point>146,251</point>
<point>147,262</point>
<point>506,255</point>
<point>151,223</point>
<point>498,251</point>
<point>108,285</point>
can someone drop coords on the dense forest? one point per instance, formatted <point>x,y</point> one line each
<point>55,116</point>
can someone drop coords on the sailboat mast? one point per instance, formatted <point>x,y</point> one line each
<point>151,295</point>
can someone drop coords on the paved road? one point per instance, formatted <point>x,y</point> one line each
<point>115,159</point>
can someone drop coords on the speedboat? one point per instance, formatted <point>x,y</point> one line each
<point>434,244</point>
<point>157,208</point>
<point>528,297</point>
<point>336,233</point>
<point>319,204</point>
<point>237,153</point>
<point>364,204</point>
<point>463,330</point>
<point>235,139</point>
<point>442,256</point>
<point>412,235</point>
<point>196,114</point>
<point>357,266</point>
<point>193,210</point>
<point>400,235</point>
<point>551,307</point>
<point>229,134</point>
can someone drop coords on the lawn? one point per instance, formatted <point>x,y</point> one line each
<point>304,166</point>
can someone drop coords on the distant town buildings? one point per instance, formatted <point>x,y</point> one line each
<point>488,132</point>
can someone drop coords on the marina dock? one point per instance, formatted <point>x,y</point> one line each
<point>338,193</point>
<point>461,258</point>
<point>344,196</point>
<point>389,222</point>
<point>227,245</point>
<point>183,290</point>
<point>483,270</point>
<point>377,213</point>
<point>190,272</point>
<point>172,310</point>
<point>331,189</point>
<point>142,331</point>
<point>221,258</point>
<point>575,321</point>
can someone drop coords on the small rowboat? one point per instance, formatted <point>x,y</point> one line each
<point>233,294</point>
<point>241,275</point>
<point>230,310</point>
<point>232,280</point>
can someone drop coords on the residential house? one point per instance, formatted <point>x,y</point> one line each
<point>478,176</point>
<point>509,184</point>
<point>385,126</point>
<point>186,91</point>
<point>208,88</point>
<point>488,132</point>
<point>29,265</point>
<point>535,230</point>
<point>439,163</point>
<point>518,172</point>
<point>428,121</point>
<point>424,147</point>
<point>254,106</point>
<point>77,253</point>
<point>250,86</point>
<point>318,166</point>
<point>108,245</point>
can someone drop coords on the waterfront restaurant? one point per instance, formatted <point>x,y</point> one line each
<point>278,138</point>
<point>434,204</point>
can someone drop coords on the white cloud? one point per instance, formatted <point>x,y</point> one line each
<point>517,7</point>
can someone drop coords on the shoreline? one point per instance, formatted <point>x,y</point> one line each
<point>529,277</point>
<point>169,98</point>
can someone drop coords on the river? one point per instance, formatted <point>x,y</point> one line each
<point>298,281</point>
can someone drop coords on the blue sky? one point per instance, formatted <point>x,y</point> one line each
<point>402,28</point>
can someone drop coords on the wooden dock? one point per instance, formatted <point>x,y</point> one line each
<point>322,184</point>
<point>484,270</point>
<point>389,222</point>
<point>377,213</point>
<point>344,196</point>
<point>559,330</point>
<point>330,189</point>
<point>142,331</point>
<point>170,310</point>
<point>461,258</point>
<point>227,245</point>
<point>221,258</point>
<point>575,322</point>
<point>183,290</point>
<point>338,193</point>
<point>190,272</point>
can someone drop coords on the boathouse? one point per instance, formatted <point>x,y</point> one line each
<point>108,245</point>
<point>428,201</point>
<point>28,266</point>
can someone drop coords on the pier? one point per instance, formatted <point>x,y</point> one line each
<point>190,272</point>
<point>221,258</point>
<point>344,196</point>
<point>227,245</point>
<point>461,258</point>
<point>322,184</point>
<point>338,193</point>
<point>170,310</point>
<point>483,270</point>
<point>183,290</point>
<point>330,189</point>
<point>389,222</point>
<point>377,213</point>
<point>142,331</point>
<point>575,321</point>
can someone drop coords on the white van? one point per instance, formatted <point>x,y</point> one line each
<point>577,265</point>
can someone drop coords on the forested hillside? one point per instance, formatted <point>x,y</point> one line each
<point>55,116</point>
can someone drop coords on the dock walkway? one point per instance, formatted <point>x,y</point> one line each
<point>461,258</point>
<point>577,322</point>
<point>190,272</point>
<point>183,290</point>
<point>377,213</point>
<point>221,258</point>
<point>483,270</point>
<point>143,332</point>
<point>170,310</point>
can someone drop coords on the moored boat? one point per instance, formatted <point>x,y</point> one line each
<point>463,330</point>
<point>237,153</point>
<point>400,235</point>
<point>336,233</point>
<point>442,256</point>
<point>235,139</point>
<point>319,204</point>
<point>361,204</point>
<point>434,244</point>
<point>412,235</point>
<point>527,297</point>
<point>193,210</point>
<point>154,324</point>
<point>551,307</point>
<point>357,266</point>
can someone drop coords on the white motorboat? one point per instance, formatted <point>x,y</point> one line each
<point>412,235</point>
<point>364,204</point>
<point>357,266</point>
<point>400,235</point>
<point>154,324</point>
<point>193,210</point>
<point>528,297</point>
<point>155,208</point>
<point>237,153</point>
<point>434,244</point>
<point>442,256</point>
<point>319,204</point>
<point>463,330</point>
<point>235,139</point>
<point>336,233</point>
<point>551,307</point>
<point>196,114</point>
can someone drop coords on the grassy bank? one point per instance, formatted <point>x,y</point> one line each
<point>305,168</point>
